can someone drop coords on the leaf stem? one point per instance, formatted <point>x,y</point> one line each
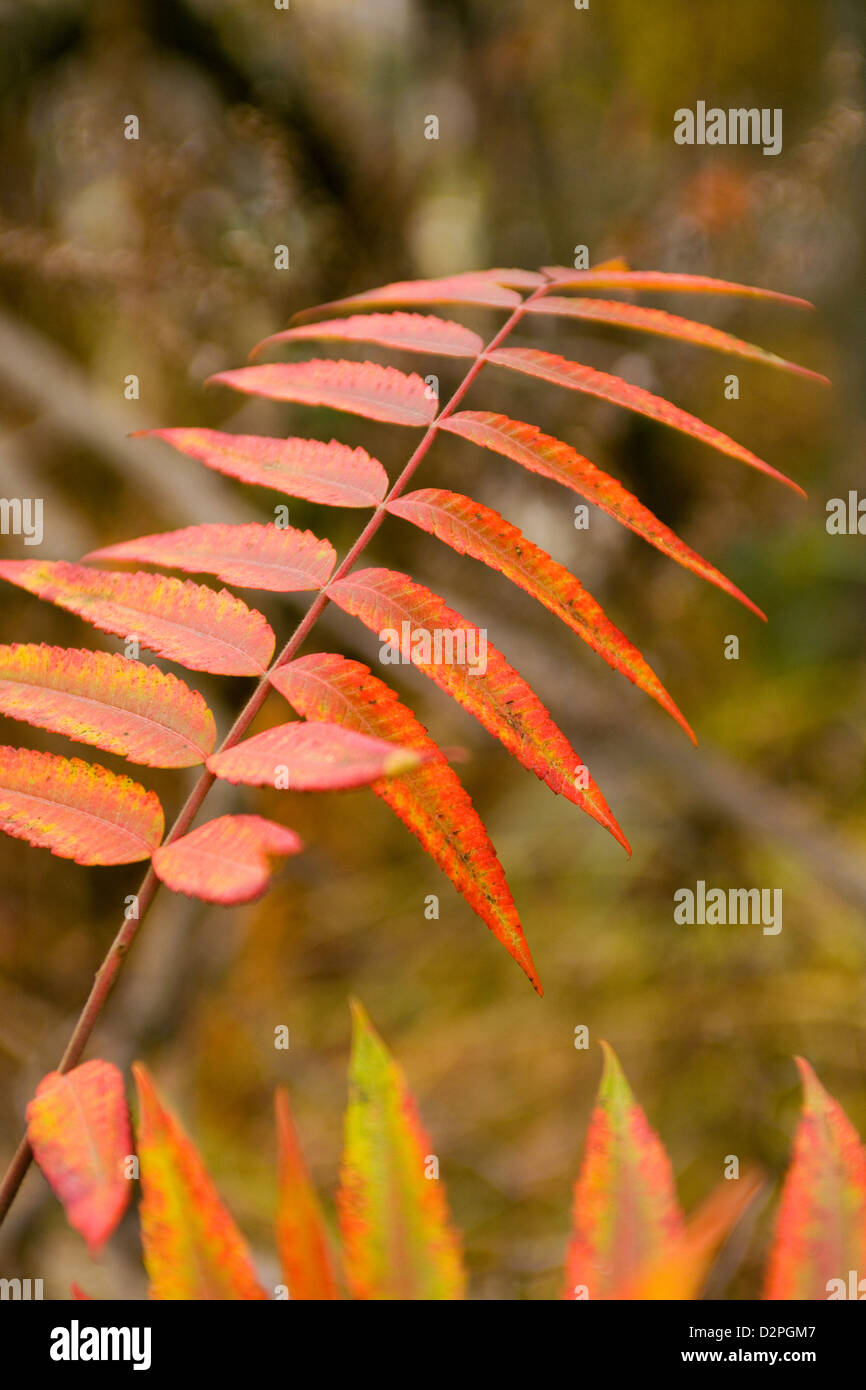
<point>111,966</point>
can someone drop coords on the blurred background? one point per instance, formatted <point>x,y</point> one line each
<point>155,257</point>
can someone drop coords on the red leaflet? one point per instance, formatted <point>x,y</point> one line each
<point>614,279</point>
<point>453,289</point>
<point>626,1214</point>
<point>192,1248</point>
<point>109,701</point>
<point>542,453</point>
<point>472,529</point>
<point>312,758</point>
<point>430,801</point>
<point>666,325</point>
<point>302,1240</point>
<point>228,860</point>
<point>185,622</point>
<point>409,332</point>
<point>398,1242</point>
<point>364,388</point>
<point>254,556</point>
<point>446,648</point>
<point>78,810</point>
<point>78,1128</point>
<point>820,1232</point>
<point>612,388</point>
<point>333,474</point>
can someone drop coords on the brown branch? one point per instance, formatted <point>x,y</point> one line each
<point>117,952</point>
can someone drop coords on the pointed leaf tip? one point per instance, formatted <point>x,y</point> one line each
<point>192,1248</point>
<point>561,371</point>
<point>497,696</point>
<point>473,529</point>
<point>302,1237</point>
<point>626,1213</point>
<point>430,801</point>
<point>820,1231</point>
<point>398,1240</point>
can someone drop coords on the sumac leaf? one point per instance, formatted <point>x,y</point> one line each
<point>473,529</point>
<point>472,288</point>
<point>312,757</point>
<point>408,332</point>
<point>180,620</point>
<point>666,325</point>
<point>626,1213</point>
<point>499,698</point>
<point>192,1248</point>
<point>430,801</point>
<point>333,474</point>
<point>109,701</point>
<point>820,1234</point>
<point>250,555</point>
<point>398,1242</point>
<point>302,1239</point>
<point>78,1128</point>
<point>615,278</point>
<point>576,376</point>
<point>228,860</point>
<point>363,388</point>
<point>550,457</point>
<point>78,810</point>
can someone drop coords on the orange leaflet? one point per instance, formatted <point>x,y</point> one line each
<point>542,453</point>
<point>499,698</point>
<point>408,332</point>
<point>611,277</point>
<point>185,622</point>
<point>192,1248</point>
<point>333,474</point>
<point>471,288</point>
<point>363,388</point>
<point>100,698</point>
<point>253,556</point>
<point>78,1128</point>
<point>302,1240</point>
<point>578,377</point>
<point>666,325</point>
<point>78,810</point>
<point>430,801</point>
<point>472,529</point>
<point>228,860</point>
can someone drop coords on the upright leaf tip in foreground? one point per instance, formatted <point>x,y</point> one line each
<point>625,1206</point>
<point>193,1251</point>
<point>821,1224</point>
<point>398,1240</point>
<point>302,1239</point>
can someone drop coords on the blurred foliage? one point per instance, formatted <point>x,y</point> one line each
<point>156,257</point>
